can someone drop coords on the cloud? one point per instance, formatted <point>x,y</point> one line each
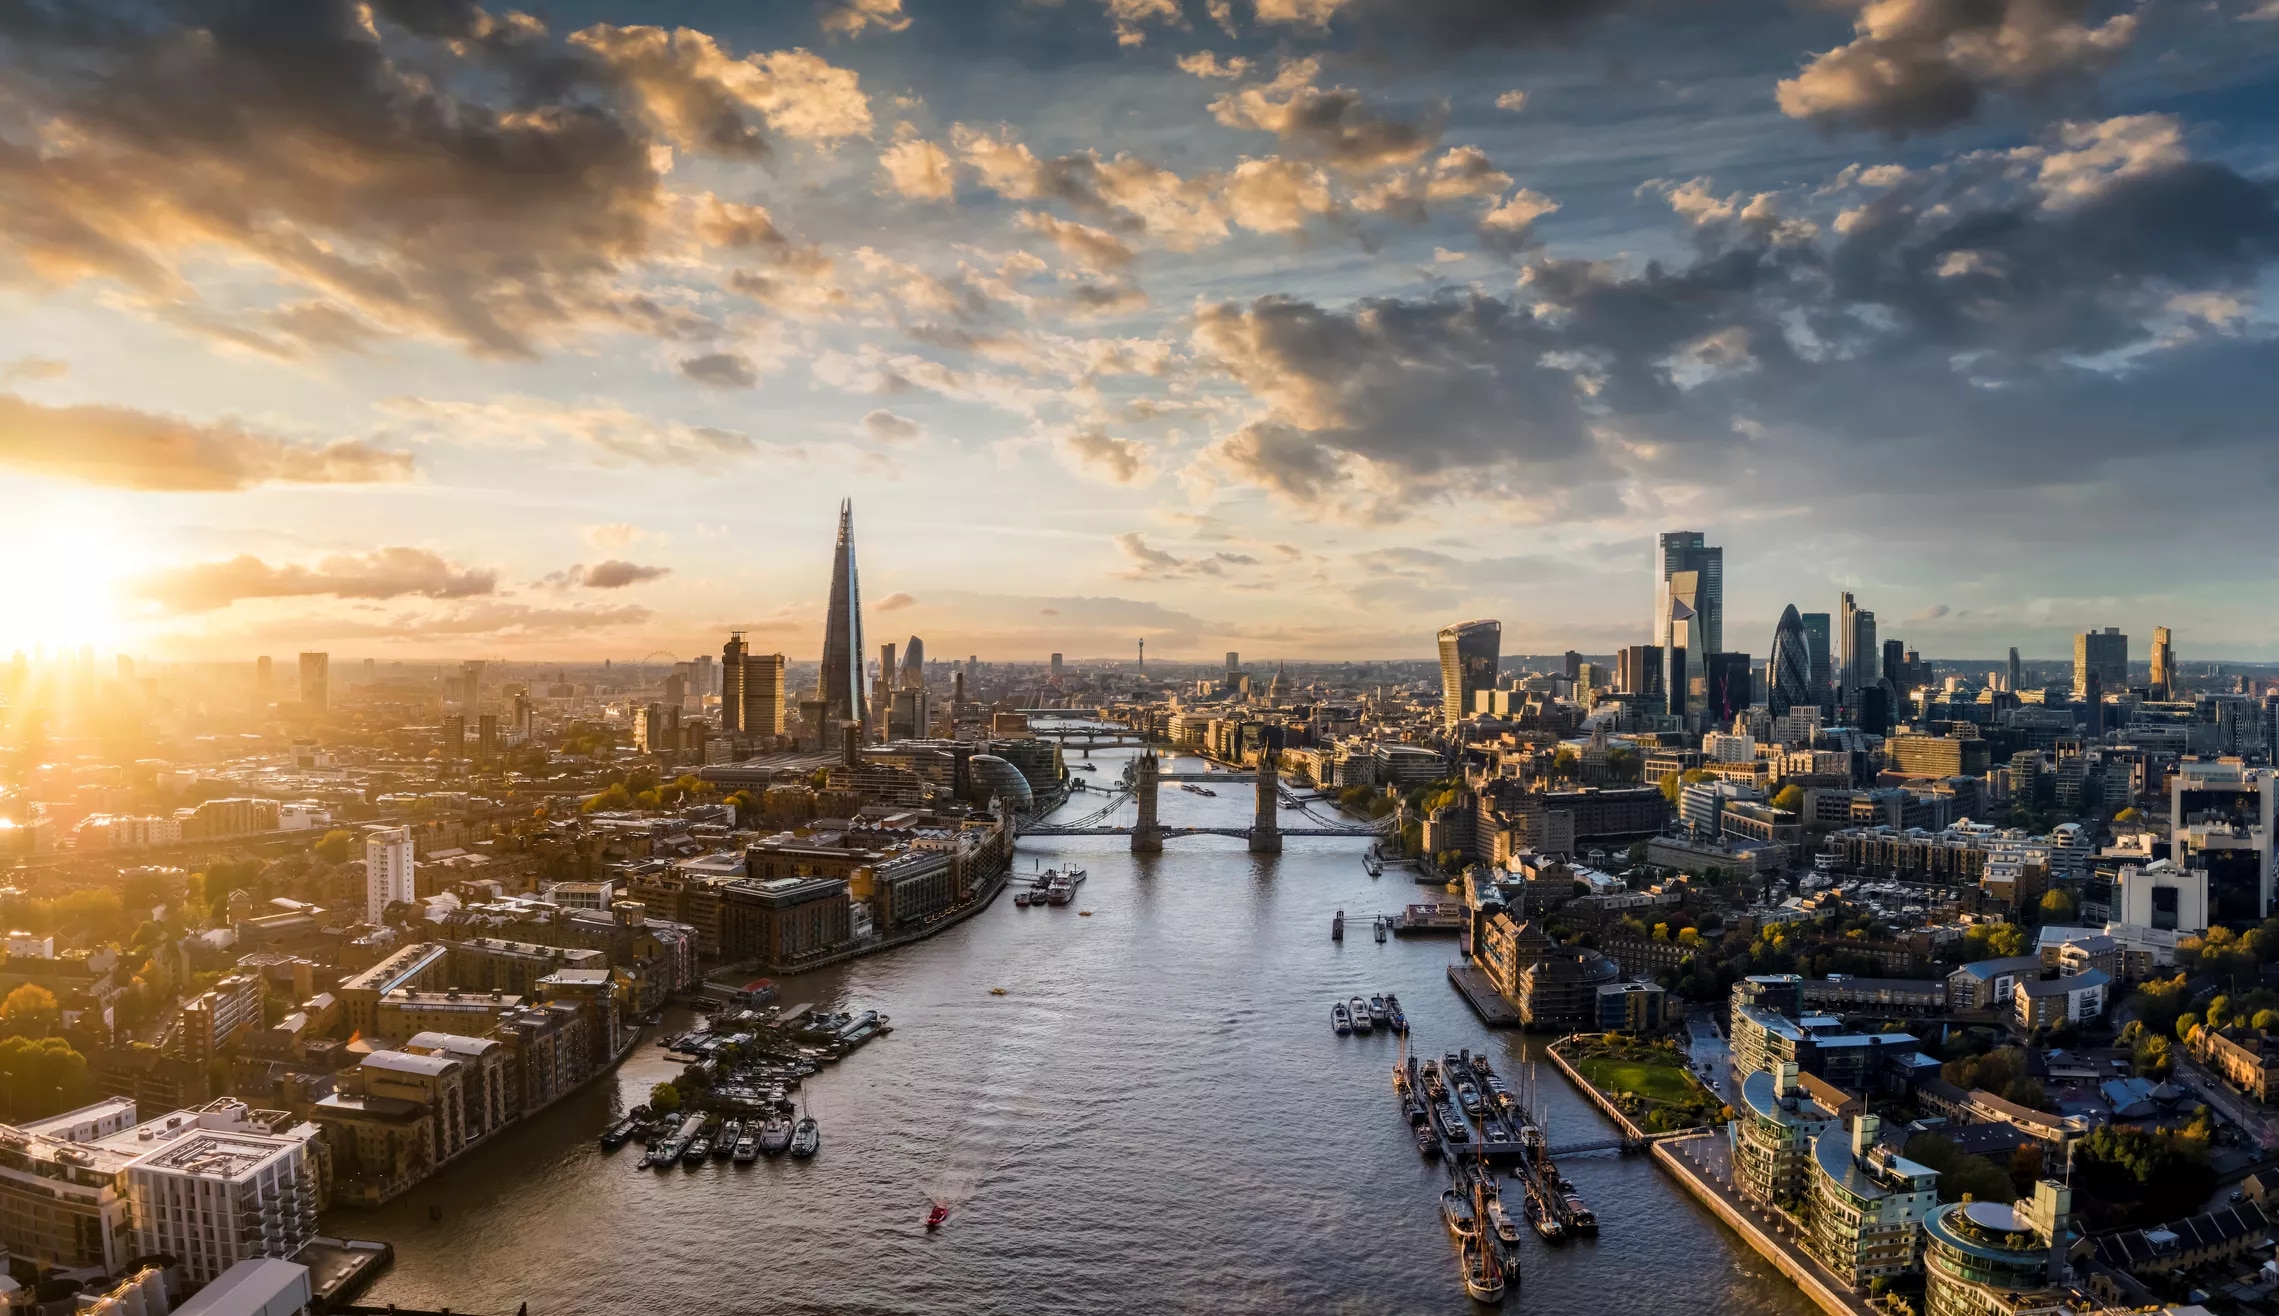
<point>852,18</point>
<point>894,602</point>
<point>1183,213</point>
<point>1204,64</point>
<point>886,427</point>
<point>1514,100</point>
<point>704,99</point>
<point>605,428</point>
<point>384,573</point>
<point>1332,125</point>
<point>1096,452</point>
<point>1093,248</point>
<point>615,535</point>
<point>1450,25</point>
<point>128,449</point>
<point>1276,196</point>
<point>721,370</point>
<point>1129,15</point>
<point>1922,65</point>
<point>919,169</point>
<point>1150,563</point>
<point>32,370</point>
<point>1930,614</point>
<point>617,574</point>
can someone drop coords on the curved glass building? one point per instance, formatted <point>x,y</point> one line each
<point>1788,673</point>
<point>1469,651</point>
<point>992,777</point>
<point>1989,1258</point>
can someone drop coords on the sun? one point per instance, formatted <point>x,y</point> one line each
<point>64,569</point>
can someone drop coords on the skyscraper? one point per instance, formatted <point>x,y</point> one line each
<point>1822,668</point>
<point>914,664</point>
<point>1729,688</point>
<point>1687,550</point>
<point>316,682</point>
<point>2163,662</point>
<point>1847,655</point>
<point>764,694</point>
<point>732,683</point>
<point>842,677</point>
<point>1469,651</point>
<point>2017,670</point>
<point>1788,673</point>
<point>1895,663</point>
<point>1638,671</point>
<point>1682,638</point>
<point>2105,653</point>
<point>1864,649</point>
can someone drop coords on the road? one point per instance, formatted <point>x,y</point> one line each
<point>2251,1119</point>
<point>1710,1053</point>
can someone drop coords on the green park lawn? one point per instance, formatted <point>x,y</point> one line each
<point>1664,1084</point>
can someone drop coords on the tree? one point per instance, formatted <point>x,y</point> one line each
<point>2154,1059</point>
<point>334,848</point>
<point>2025,1168</point>
<point>1789,798</point>
<point>2187,1024</point>
<point>664,1098</point>
<point>1565,763</point>
<point>1624,763</point>
<point>2057,906</point>
<point>2160,1001</point>
<point>30,1011</point>
<point>1960,1175</point>
<point>1993,941</point>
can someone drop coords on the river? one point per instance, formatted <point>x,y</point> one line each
<point>1154,1117</point>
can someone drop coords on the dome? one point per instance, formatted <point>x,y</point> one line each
<point>992,777</point>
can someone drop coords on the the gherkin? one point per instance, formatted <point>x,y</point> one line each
<point>1788,673</point>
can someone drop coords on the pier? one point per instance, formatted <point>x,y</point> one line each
<point>1481,994</point>
<point>1693,1161</point>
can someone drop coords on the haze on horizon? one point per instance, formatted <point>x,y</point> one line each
<point>1295,327</point>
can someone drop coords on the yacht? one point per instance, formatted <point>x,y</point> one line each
<point>807,1138</point>
<point>747,1149</point>
<point>724,1146</point>
<point>1340,1019</point>
<point>1360,1011</point>
<point>698,1149</point>
<point>1376,1009</point>
<point>775,1135</point>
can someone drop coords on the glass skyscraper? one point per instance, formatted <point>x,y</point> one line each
<point>1689,550</point>
<point>842,677</point>
<point>1469,651</point>
<point>1788,673</point>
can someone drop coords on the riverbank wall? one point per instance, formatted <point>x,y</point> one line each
<point>1800,1270</point>
<point>1599,1099</point>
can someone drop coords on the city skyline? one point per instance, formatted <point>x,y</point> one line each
<point>1265,327</point>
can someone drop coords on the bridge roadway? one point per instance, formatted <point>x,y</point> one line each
<point>1049,830</point>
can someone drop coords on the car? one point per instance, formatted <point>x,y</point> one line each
<point>2237,1197</point>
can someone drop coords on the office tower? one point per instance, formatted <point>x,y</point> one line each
<point>1234,664</point>
<point>487,742</point>
<point>1143,657</point>
<point>914,664</point>
<point>676,689</point>
<point>1728,687</point>
<point>2105,653</point>
<point>842,683</point>
<point>1847,656</point>
<point>1638,671</point>
<point>2017,672</point>
<point>1687,551</point>
<point>1681,632</point>
<point>2221,820</point>
<point>1675,688</point>
<point>1572,665</point>
<point>471,683</point>
<point>1788,673</point>
<point>732,683</point>
<point>387,871</point>
<point>522,711</point>
<point>2163,663</point>
<point>453,744</point>
<point>1056,668</point>
<point>316,681</point>
<point>1895,663</point>
<point>2093,703</point>
<point>909,714</point>
<point>1469,651</point>
<point>1823,668</point>
<point>765,695</point>
<point>701,677</point>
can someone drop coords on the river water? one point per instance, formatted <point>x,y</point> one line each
<point>1154,1117</point>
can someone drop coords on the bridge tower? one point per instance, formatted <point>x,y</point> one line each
<point>1147,834</point>
<point>1265,832</point>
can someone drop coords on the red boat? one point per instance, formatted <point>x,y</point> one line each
<point>935,1217</point>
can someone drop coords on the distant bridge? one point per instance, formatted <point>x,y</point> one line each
<point>1047,829</point>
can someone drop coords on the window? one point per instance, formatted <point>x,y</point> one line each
<point>2164,907</point>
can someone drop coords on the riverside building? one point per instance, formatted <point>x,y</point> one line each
<point>1867,1203</point>
<point>1996,1259</point>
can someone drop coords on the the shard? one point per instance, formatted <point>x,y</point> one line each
<point>1788,673</point>
<point>842,681</point>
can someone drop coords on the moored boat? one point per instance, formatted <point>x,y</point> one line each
<point>775,1135</point>
<point>1337,926</point>
<point>697,1150</point>
<point>1579,1217</point>
<point>1456,1213</point>
<point>747,1149</point>
<point>1359,1009</point>
<point>1483,1274</point>
<point>1376,1009</point>
<point>1427,1144</point>
<point>806,1138</point>
<point>1340,1019</point>
<point>724,1146</point>
<point>1379,929</point>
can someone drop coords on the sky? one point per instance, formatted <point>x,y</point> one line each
<point>417,329</point>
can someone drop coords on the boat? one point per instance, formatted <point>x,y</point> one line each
<point>1340,1019</point>
<point>1401,1080</point>
<point>1414,1109</point>
<point>1546,1225</point>
<point>807,1138</point>
<point>1434,1085</point>
<point>1426,1143</point>
<point>1394,1019</point>
<point>1360,1011</point>
<point>620,1133</point>
<point>1374,867</point>
<point>699,1148</point>
<point>1376,1009</point>
<point>1378,930</point>
<point>747,1149</point>
<point>1579,1217</point>
<point>1074,875</point>
<point>775,1135</point>
<point>1084,913</point>
<point>1060,892</point>
<point>1500,1222</point>
<point>1469,1097</point>
<point>936,1216</point>
<point>1456,1213</point>
<point>1483,1275</point>
<point>1337,927</point>
<point>996,991</point>
<point>1021,898</point>
<point>724,1146</point>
